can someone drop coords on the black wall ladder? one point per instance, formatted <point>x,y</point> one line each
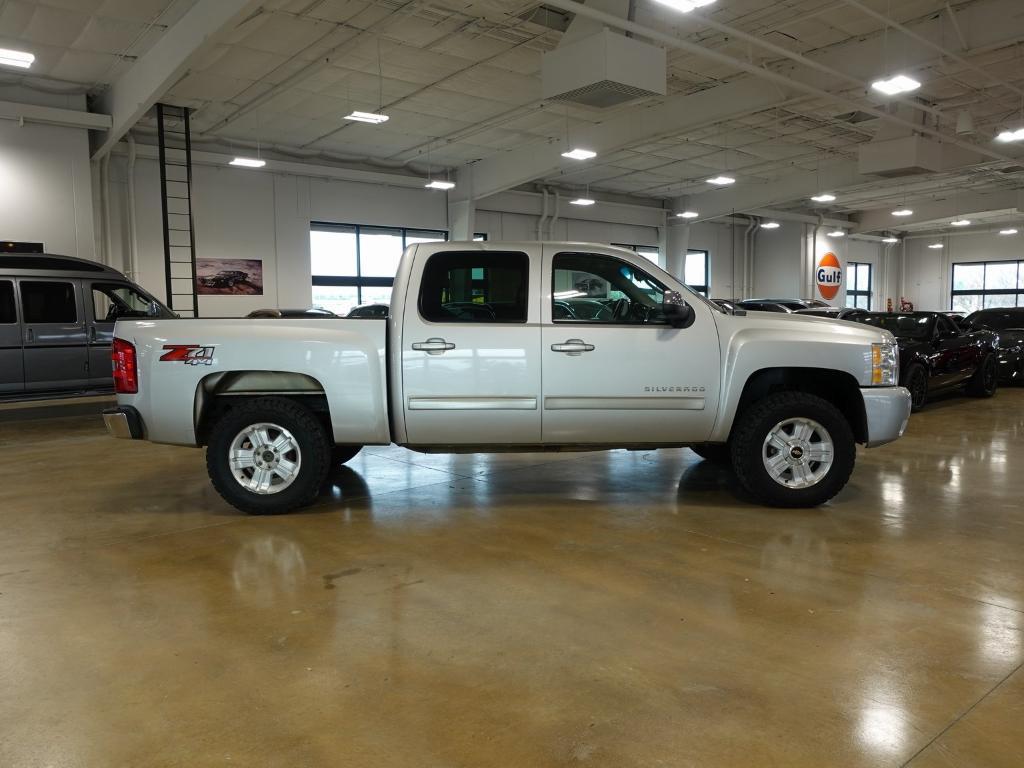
<point>176,197</point>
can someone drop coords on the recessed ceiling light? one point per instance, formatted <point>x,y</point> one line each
<point>935,246</point>
<point>687,215</point>
<point>890,240</point>
<point>579,154</point>
<point>582,201</point>
<point>771,225</point>
<point>1008,232</point>
<point>960,223</point>
<point>837,233</point>
<point>903,212</point>
<point>19,59</point>
<point>1008,136</point>
<point>825,197</point>
<point>722,181</point>
<point>438,184</point>
<point>248,162</point>
<point>896,85</point>
<point>367,117</point>
<point>685,6</point>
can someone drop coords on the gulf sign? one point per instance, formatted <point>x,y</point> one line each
<point>828,276</point>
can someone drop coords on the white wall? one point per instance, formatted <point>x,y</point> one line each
<point>46,181</point>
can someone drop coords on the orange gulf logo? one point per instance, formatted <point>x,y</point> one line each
<point>828,276</point>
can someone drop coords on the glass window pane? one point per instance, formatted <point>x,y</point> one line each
<point>425,236</point>
<point>48,303</point>
<point>375,294</point>
<point>1001,300</point>
<point>651,254</point>
<point>967,277</point>
<point>1000,276</point>
<point>333,252</point>
<point>851,276</point>
<point>475,287</point>
<point>695,272</point>
<point>111,302</point>
<point>595,288</point>
<point>967,303</point>
<point>379,251</point>
<point>339,299</point>
<point>7,313</point>
<point>863,277</point>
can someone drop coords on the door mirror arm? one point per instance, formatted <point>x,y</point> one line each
<point>677,312</point>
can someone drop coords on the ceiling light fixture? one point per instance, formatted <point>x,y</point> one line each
<point>248,162</point>
<point>722,181</point>
<point>582,201</point>
<point>19,59</point>
<point>896,85</point>
<point>687,215</point>
<point>935,246</point>
<point>837,233</point>
<point>685,6</point>
<point>580,154</point>
<point>1008,136</point>
<point>890,240</point>
<point>1008,232</point>
<point>439,184</point>
<point>825,197</point>
<point>771,225</point>
<point>903,212</point>
<point>374,118</point>
<point>960,223</point>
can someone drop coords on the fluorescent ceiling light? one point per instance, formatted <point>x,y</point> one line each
<point>367,117</point>
<point>1008,136</point>
<point>890,240</point>
<point>935,246</point>
<point>579,154</point>
<point>903,212</point>
<point>837,233</point>
<point>1008,232</point>
<point>687,215</point>
<point>771,225</point>
<point>438,184</point>
<point>960,223</point>
<point>685,6</point>
<point>722,181</point>
<point>248,162</point>
<point>18,59</point>
<point>896,85</point>
<point>825,197</point>
<point>582,201</point>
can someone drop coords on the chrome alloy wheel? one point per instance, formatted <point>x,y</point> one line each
<point>798,453</point>
<point>264,458</point>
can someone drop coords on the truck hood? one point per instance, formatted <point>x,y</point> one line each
<point>802,326</point>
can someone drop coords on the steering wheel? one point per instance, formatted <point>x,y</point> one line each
<point>620,310</point>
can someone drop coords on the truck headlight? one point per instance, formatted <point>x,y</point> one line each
<point>885,365</point>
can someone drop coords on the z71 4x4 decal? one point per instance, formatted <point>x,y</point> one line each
<point>189,354</point>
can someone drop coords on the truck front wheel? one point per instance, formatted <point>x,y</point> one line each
<point>268,456</point>
<point>793,449</point>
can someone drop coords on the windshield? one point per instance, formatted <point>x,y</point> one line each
<point>903,326</point>
<point>997,320</point>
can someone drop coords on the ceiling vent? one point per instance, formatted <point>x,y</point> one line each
<point>546,16</point>
<point>604,70</point>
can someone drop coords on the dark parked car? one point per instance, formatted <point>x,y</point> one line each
<point>1008,323</point>
<point>370,310</point>
<point>227,278</point>
<point>57,316</point>
<point>936,355</point>
<point>279,313</point>
<point>835,313</point>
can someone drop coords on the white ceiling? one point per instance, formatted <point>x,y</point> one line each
<point>460,81</point>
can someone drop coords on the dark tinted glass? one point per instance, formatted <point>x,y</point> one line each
<point>997,320</point>
<point>475,287</point>
<point>48,303</point>
<point>7,313</point>
<point>903,326</point>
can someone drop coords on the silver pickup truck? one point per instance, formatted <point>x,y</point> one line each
<point>513,347</point>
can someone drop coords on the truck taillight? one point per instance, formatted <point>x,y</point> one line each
<point>126,371</point>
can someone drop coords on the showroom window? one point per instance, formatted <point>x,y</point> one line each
<point>354,264</point>
<point>595,288</point>
<point>858,285</point>
<point>695,271</point>
<point>475,287</point>
<point>987,284</point>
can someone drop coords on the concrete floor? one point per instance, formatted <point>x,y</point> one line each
<point>612,609</point>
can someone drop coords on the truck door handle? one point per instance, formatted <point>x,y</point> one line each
<point>31,335</point>
<point>92,333</point>
<point>573,347</point>
<point>433,346</point>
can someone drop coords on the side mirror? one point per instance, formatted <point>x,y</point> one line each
<point>677,312</point>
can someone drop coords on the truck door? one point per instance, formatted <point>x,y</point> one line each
<point>56,355</point>
<point>12,372</point>
<point>471,349</point>
<point>614,370</point>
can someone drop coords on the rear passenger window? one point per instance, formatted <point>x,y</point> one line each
<point>48,302</point>
<point>475,287</point>
<point>7,313</point>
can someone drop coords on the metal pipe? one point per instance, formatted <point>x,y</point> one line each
<point>554,217</point>
<point>543,216</point>
<point>748,255</point>
<point>105,209</point>
<point>133,244</point>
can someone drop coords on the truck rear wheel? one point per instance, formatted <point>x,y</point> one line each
<point>268,456</point>
<point>793,449</point>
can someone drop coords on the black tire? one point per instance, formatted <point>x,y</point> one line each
<point>985,380</point>
<point>314,453</point>
<point>342,454</point>
<point>717,453</point>
<point>917,383</point>
<point>748,443</point>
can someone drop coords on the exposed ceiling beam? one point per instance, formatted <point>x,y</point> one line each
<point>165,63</point>
<point>956,206</point>
<point>71,118</point>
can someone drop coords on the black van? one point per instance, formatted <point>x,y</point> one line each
<point>57,317</point>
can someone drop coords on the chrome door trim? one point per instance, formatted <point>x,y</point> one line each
<point>472,403</point>
<point>624,403</point>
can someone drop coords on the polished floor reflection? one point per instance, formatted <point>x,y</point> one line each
<point>609,609</point>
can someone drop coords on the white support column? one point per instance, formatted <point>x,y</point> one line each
<point>678,242</point>
<point>461,220</point>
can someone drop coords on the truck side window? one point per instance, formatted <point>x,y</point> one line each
<point>594,288</point>
<point>475,287</point>
<point>7,313</point>
<point>48,302</point>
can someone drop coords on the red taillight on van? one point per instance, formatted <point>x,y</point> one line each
<point>126,371</point>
